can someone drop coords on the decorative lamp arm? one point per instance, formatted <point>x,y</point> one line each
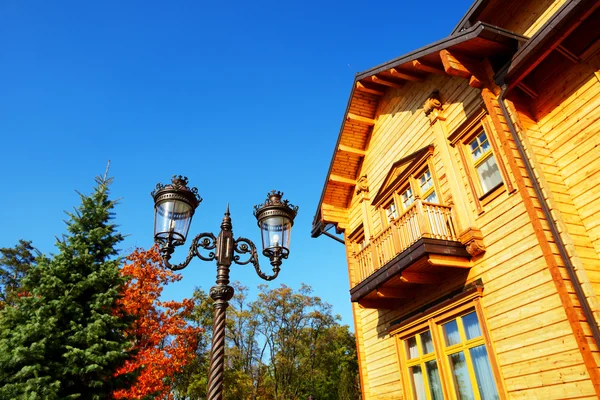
<point>246,246</point>
<point>204,240</point>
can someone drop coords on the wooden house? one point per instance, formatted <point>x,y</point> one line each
<point>466,183</point>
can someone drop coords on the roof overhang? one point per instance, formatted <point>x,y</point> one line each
<point>480,41</point>
<point>549,38</point>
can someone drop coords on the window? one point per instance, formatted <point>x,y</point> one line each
<point>390,212</point>
<point>422,367</point>
<point>410,179</point>
<point>485,162</point>
<point>420,184</point>
<point>358,239</point>
<point>426,187</point>
<point>467,356</point>
<point>407,197</point>
<point>486,174</point>
<point>446,355</point>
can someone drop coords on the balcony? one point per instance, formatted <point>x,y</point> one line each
<point>420,247</point>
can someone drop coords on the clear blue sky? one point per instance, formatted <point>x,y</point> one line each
<point>241,97</point>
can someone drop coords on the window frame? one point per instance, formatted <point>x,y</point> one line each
<point>434,182</point>
<point>387,221</point>
<point>433,320</point>
<point>420,361</point>
<point>461,139</point>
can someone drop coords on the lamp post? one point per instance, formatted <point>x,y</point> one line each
<point>174,206</point>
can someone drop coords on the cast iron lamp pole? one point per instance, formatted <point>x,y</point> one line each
<point>174,206</point>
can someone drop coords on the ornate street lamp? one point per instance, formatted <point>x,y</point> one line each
<point>174,206</point>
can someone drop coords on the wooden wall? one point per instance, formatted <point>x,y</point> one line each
<point>563,133</point>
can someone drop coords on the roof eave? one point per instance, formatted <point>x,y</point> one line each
<point>547,39</point>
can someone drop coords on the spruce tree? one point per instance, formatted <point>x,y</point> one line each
<point>66,339</point>
<point>14,264</point>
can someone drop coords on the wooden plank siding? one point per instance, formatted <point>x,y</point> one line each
<point>566,142</point>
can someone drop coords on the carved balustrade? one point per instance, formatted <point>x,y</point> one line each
<point>420,220</point>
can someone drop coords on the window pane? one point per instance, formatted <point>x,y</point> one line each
<point>363,244</point>
<point>462,383</point>
<point>433,376</point>
<point>484,142</point>
<point>489,173</point>
<point>390,212</point>
<point>426,342</point>
<point>425,181</point>
<point>479,146</point>
<point>471,325</point>
<point>483,373</point>
<point>432,198</point>
<point>451,333</point>
<point>416,378</point>
<point>474,147</point>
<point>407,198</point>
<point>411,347</point>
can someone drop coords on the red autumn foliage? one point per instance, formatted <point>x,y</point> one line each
<point>165,343</point>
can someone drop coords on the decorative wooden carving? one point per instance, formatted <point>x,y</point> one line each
<point>475,247</point>
<point>433,106</point>
<point>362,185</point>
<point>473,241</point>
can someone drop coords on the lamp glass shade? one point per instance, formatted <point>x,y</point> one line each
<point>275,232</point>
<point>172,219</point>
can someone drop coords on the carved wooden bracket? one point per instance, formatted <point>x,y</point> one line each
<point>433,107</point>
<point>473,241</point>
<point>362,185</point>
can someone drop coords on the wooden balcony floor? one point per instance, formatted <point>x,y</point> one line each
<point>424,265</point>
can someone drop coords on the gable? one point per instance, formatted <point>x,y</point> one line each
<point>399,171</point>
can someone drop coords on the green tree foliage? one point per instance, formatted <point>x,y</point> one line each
<point>66,340</point>
<point>14,264</point>
<point>349,384</point>
<point>308,348</point>
<point>284,345</point>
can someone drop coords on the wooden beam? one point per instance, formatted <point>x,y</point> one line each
<point>479,73</point>
<point>384,82</point>
<point>568,54</point>
<point>420,278</point>
<point>396,293</point>
<point>527,90</point>
<point>438,260</point>
<point>405,76</point>
<point>423,66</point>
<point>379,304</point>
<point>351,150</point>
<point>360,119</point>
<point>342,180</point>
<point>453,66</point>
<point>475,82</point>
<point>362,88</point>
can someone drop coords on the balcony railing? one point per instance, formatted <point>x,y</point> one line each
<point>420,220</point>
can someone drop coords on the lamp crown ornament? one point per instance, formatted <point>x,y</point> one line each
<point>274,200</point>
<point>178,184</point>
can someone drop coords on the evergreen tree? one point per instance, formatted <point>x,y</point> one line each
<point>66,339</point>
<point>14,264</point>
